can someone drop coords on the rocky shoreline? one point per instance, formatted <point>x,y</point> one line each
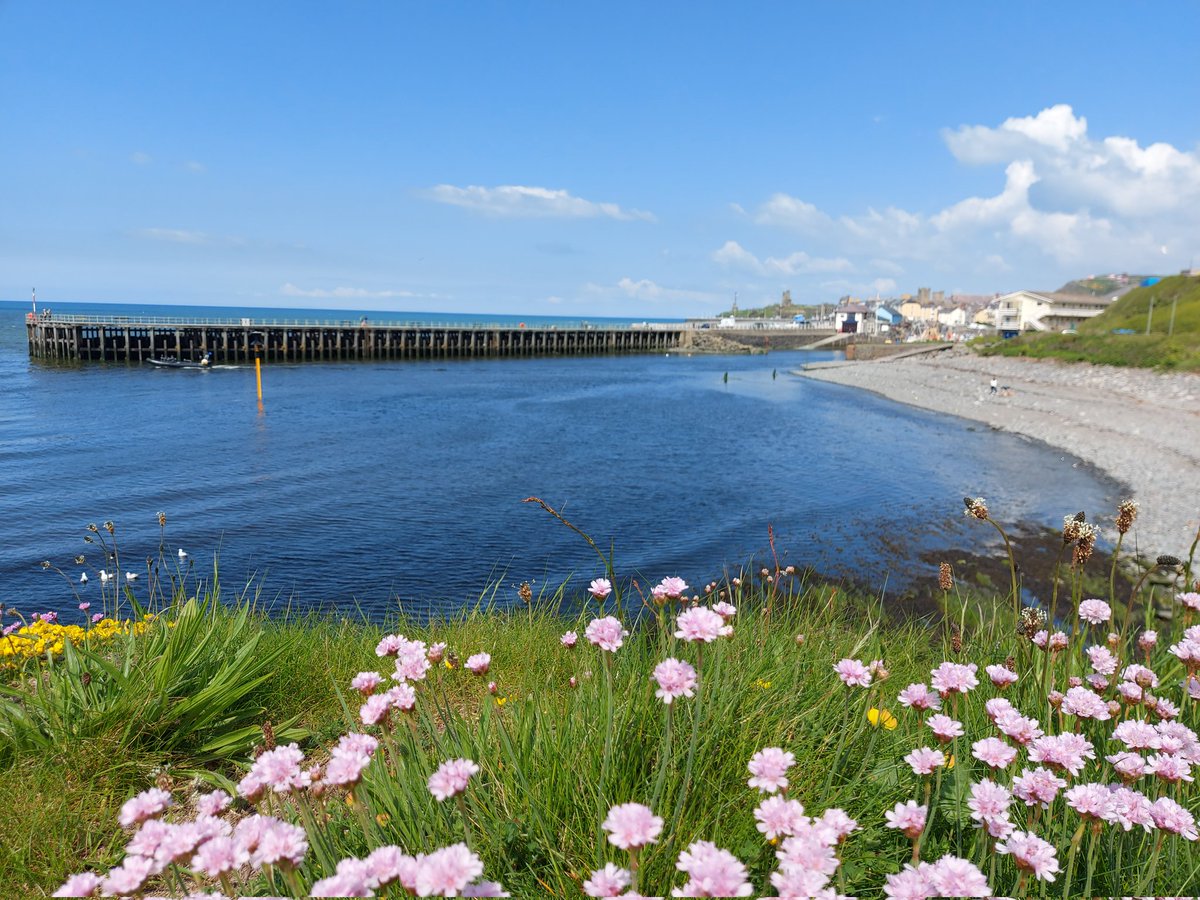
<point>1141,427</point>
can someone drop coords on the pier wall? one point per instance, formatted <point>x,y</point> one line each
<point>87,339</point>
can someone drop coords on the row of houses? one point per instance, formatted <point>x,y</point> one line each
<point>1010,314</point>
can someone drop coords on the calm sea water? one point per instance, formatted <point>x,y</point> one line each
<point>372,484</point>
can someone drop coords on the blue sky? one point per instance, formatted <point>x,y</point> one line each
<point>622,159</point>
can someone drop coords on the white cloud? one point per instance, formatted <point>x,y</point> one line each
<point>341,293</point>
<point>517,201</point>
<point>1070,202</point>
<point>197,167</point>
<point>733,255</point>
<point>791,212</point>
<point>645,289</point>
<point>174,235</point>
<point>141,159</point>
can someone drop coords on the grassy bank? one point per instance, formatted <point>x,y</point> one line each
<point>1172,342</point>
<point>563,730</point>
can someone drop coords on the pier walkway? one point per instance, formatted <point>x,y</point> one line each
<point>238,340</point>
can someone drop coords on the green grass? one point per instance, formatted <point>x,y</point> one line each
<point>555,758</point>
<point>1096,343</point>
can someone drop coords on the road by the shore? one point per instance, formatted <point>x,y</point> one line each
<point>1139,426</point>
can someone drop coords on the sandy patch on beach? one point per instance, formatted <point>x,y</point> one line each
<point>1139,426</point>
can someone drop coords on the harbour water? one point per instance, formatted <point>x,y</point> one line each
<point>371,485</point>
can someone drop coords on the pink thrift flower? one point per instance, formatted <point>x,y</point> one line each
<point>769,767</point>
<point>451,778</point>
<point>390,865</point>
<point>1147,640</point>
<point>437,652</point>
<point>989,801</point>
<point>281,845</point>
<point>212,804</point>
<point>944,728</point>
<point>346,769</point>
<point>1169,768</point>
<point>918,696</point>
<point>907,884</point>
<point>669,589</point>
<point>712,872</point>
<point>1190,600</point>
<point>951,677</point>
<point>610,881</point>
<point>147,805</point>
<point>778,816</point>
<point>479,663</point>
<point>600,588</point>
<point>129,877</point>
<point>606,633</point>
<point>366,682</point>
<point>954,877</point>
<point>632,825</point>
<point>725,610</point>
<point>1084,703</point>
<point>853,673</point>
<point>1090,800</point>
<point>1171,817</point>
<point>280,769</point>
<point>1130,766</point>
<point>1000,676</point>
<point>838,822</point>
<point>1031,853</point>
<point>569,639</point>
<point>85,606</point>
<point>1094,611</point>
<point>675,679</point>
<point>96,617</point>
<point>412,663</point>
<point>1062,751</point>
<point>700,624</point>
<point>994,752</point>
<point>1102,659</point>
<point>1037,787</point>
<point>219,856</point>
<point>85,884</point>
<point>375,710</point>
<point>907,817</point>
<point>390,645</point>
<point>924,760</point>
<point>401,697</point>
<point>1130,808</point>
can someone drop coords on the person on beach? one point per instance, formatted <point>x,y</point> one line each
<point>993,386</point>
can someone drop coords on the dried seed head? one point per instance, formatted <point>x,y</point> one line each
<point>1167,561</point>
<point>976,507</point>
<point>956,639</point>
<point>1114,708</point>
<point>92,527</point>
<point>1010,663</point>
<point>1085,543</point>
<point>85,679</point>
<point>110,526</point>
<point>945,577</point>
<point>45,563</point>
<point>525,592</point>
<point>1056,699</point>
<point>799,640</point>
<point>164,781</point>
<point>268,735</point>
<point>1031,621</point>
<point>162,519</point>
<point>1126,514</point>
<point>80,560</point>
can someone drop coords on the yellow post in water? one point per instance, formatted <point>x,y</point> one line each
<point>258,375</point>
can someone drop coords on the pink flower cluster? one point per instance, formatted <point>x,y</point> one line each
<point>632,826</point>
<point>606,633</point>
<point>349,759</point>
<point>449,872</point>
<point>379,706</point>
<point>279,770</point>
<point>769,769</point>
<point>950,876</point>
<point>451,777</point>
<point>701,625</point>
<point>853,673</point>
<point>669,589</point>
<point>675,679</point>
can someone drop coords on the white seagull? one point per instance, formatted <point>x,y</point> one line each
<point>131,576</point>
<point>182,555</point>
<point>104,576</point>
<point>83,578</point>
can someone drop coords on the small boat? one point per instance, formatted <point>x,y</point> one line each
<point>170,362</point>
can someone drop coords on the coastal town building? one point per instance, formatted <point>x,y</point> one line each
<point>1046,311</point>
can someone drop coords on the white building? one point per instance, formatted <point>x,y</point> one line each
<point>1046,311</point>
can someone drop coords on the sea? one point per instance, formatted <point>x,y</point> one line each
<point>369,488</point>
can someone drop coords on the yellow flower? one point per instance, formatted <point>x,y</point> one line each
<point>765,685</point>
<point>950,761</point>
<point>879,717</point>
<point>500,701</point>
<point>383,818</point>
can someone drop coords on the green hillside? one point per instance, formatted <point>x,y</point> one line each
<point>1098,343</point>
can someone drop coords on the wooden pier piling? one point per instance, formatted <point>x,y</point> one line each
<point>136,339</point>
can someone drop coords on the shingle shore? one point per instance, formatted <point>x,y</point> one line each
<point>1139,426</point>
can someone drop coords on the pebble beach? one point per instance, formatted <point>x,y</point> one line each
<point>1141,427</point>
